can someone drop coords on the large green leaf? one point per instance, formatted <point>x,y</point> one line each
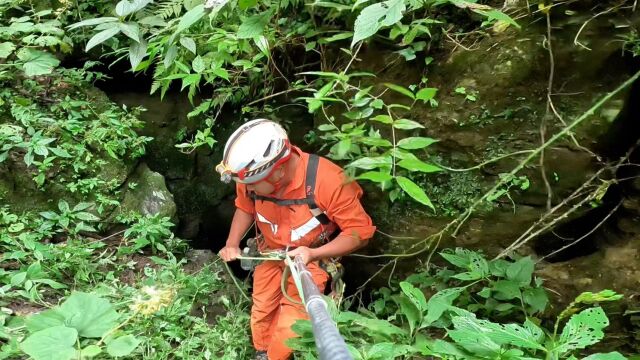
<point>416,142</point>
<point>188,44</point>
<point>46,319</point>
<point>198,64</point>
<point>37,62</point>
<point>426,94</point>
<point>6,48</point>
<point>92,22</point>
<point>406,124</point>
<point>375,176</point>
<point>90,314</point>
<point>254,25</point>
<point>90,351</point>
<point>583,329</point>
<point>414,191</point>
<point>190,18</point>
<point>415,295</point>
<point>131,30</point>
<point>477,266</point>
<point>126,7</point>
<point>263,44</point>
<point>410,311</point>
<point>385,119</point>
<point>102,36</point>
<point>440,302</point>
<point>343,147</point>
<point>122,346</point>
<point>369,163</point>
<point>506,289</point>
<point>460,258</point>
<point>485,336</point>
<point>172,53</point>
<point>536,298</point>
<point>468,334</point>
<point>137,52</point>
<point>599,297</point>
<point>376,142</point>
<point>375,16</point>
<point>441,347</point>
<point>402,90</point>
<point>376,326</point>
<point>54,343</point>
<point>528,336</point>
<point>521,270</point>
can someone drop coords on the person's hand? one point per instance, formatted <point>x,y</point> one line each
<point>229,253</point>
<point>307,254</point>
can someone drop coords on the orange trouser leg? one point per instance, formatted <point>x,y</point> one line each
<point>290,312</point>
<point>266,302</point>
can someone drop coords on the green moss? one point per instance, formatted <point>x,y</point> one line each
<point>453,192</point>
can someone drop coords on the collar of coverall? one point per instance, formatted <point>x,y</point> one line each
<point>300,171</point>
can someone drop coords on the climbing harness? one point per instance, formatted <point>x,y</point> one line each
<point>331,266</point>
<point>329,342</point>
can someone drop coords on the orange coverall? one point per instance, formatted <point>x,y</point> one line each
<point>272,314</point>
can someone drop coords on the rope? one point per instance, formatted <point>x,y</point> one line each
<point>283,286</point>
<point>226,266</point>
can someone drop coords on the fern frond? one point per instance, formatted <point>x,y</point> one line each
<point>157,77</point>
<point>170,8</point>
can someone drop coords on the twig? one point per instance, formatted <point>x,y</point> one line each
<point>393,138</point>
<point>543,123</point>
<point>529,234</point>
<point>270,96</point>
<point>575,141</point>
<point>395,263</point>
<point>395,236</point>
<point>575,40</point>
<point>446,33</point>
<point>485,162</point>
<point>108,237</point>
<point>585,235</point>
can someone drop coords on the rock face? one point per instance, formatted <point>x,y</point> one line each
<point>147,194</point>
<point>20,192</point>
<point>190,177</point>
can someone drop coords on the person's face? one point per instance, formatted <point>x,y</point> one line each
<point>267,185</point>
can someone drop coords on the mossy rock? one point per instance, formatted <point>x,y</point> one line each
<point>146,193</point>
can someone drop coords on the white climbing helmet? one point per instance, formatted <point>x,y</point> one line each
<point>253,151</point>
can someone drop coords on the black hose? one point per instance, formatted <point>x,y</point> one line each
<point>330,344</point>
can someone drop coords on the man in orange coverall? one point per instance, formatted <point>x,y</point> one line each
<point>298,200</point>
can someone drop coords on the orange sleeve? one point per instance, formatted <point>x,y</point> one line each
<point>243,202</point>
<point>339,197</point>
